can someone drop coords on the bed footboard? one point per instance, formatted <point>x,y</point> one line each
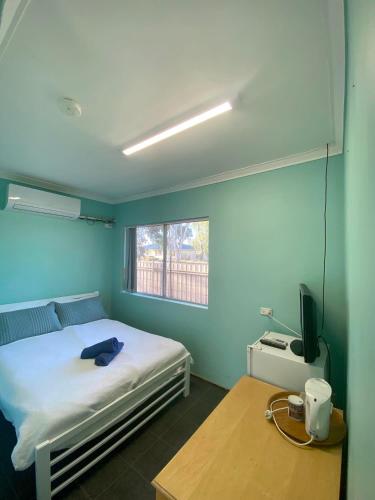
<point>98,435</point>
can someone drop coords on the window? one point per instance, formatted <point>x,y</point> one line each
<point>168,260</point>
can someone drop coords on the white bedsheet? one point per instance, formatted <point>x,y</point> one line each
<point>45,387</point>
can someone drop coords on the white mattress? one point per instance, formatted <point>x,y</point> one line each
<point>45,387</point>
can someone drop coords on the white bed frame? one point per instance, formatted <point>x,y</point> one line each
<point>138,405</point>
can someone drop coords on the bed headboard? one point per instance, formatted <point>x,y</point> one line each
<point>44,302</point>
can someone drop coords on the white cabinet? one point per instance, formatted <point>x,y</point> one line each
<point>282,367</point>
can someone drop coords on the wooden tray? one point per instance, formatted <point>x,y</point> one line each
<point>296,430</point>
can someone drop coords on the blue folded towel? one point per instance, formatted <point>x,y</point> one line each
<point>107,346</point>
<point>106,357</point>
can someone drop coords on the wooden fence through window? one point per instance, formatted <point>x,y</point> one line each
<point>185,280</point>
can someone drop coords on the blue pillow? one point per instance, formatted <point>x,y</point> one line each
<point>80,311</point>
<point>17,325</point>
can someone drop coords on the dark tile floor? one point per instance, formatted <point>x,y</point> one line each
<point>127,473</point>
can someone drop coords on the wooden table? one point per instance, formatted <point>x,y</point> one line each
<point>238,454</point>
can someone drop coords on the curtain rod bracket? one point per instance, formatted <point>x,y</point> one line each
<point>107,221</point>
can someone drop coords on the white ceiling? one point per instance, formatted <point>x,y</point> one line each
<point>136,66</point>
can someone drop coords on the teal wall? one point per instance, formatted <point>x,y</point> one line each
<point>266,236</point>
<point>360,213</point>
<point>44,256</point>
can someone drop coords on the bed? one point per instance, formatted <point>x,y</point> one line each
<point>69,413</point>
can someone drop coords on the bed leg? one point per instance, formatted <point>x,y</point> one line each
<point>43,471</point>
<point>187,378</point>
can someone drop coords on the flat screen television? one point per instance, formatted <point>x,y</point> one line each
<point>308,347</point>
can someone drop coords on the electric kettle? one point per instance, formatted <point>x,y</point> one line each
<point>318,408</point>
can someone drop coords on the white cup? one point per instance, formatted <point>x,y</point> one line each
<point>296,408</point>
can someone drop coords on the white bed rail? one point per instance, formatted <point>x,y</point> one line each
<point>105,419</point>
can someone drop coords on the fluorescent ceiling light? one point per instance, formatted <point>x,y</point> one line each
<point>196,120</point>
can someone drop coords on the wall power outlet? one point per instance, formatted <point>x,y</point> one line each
<point>266,311</point>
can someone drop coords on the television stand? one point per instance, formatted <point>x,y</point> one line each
<point>296,346</point>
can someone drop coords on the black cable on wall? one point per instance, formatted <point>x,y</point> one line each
<point>324,263</point>
<point>325,240</point>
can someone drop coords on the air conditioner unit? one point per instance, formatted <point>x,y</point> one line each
<point>34,200</point>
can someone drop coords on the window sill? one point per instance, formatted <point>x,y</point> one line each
<point>163,299</point>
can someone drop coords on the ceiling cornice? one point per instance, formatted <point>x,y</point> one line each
<point>336,61</point>
<point>288,161</point>
<point>267,166</point>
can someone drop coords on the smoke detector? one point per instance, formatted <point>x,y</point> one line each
<point>70,107</point>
